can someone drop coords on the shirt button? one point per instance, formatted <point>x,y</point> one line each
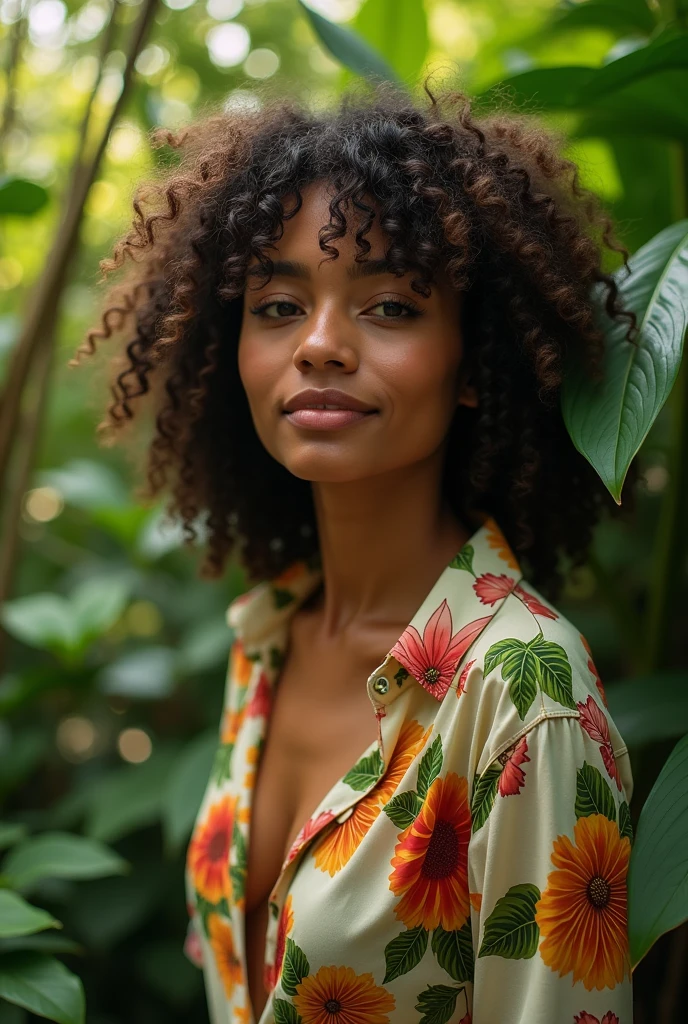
<point>381,684</point>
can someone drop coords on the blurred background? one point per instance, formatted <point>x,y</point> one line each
<point>112,650</point>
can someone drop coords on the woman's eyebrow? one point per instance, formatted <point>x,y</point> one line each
<point>292,268</point>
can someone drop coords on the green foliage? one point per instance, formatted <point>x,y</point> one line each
<point>658,873</point>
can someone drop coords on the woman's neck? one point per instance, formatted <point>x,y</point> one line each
<point>383,542</point>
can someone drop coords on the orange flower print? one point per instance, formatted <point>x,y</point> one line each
<point>476,899</point>
<point>337,995</point>
<point>587,1018</point>
<point>497,540</point>
<point>582,913</point>
<point>289,575</point>
<point>231,723</point>
<point>241,666</point>
<point>466,1019</point>
<point>208,853</point>
<point>222,945</point>
<point>306,833</point>
<point>512,777</point>
<point>430,860</point>
<point>432,658</point>
<point>337,847</point>
<point>490,588</point>
<point>461,686</point>
<point>597,727</point>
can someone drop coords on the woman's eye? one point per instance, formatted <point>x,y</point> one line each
<point>393,310</point>
<point>280,304</point>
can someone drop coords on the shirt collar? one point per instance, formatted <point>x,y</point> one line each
<point>465,597</point>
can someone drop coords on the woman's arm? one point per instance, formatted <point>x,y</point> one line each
<point>547,863</point>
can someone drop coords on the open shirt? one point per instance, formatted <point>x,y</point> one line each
<point>471,865</point>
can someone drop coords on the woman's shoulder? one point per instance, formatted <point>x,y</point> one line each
<point>532,664</point>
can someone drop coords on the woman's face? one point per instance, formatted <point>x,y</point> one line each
<point>315,326</point>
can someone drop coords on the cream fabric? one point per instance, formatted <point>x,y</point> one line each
<point>471,866</point>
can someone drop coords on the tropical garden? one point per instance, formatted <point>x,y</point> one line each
<point>113,650</point>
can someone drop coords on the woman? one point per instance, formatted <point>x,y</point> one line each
<point>419,806</point>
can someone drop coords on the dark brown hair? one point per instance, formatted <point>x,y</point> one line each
<point>490,199</point>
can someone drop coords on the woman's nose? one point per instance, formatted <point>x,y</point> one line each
<point>326,340</point>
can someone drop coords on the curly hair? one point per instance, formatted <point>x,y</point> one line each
<point>489,199</point>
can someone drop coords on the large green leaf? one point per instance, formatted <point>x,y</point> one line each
<point>404,952</point>
<point>398,32</point>
<point>658,873</point>
<point>185,787</point>
<point>60,855</point>
<point>617,15</point>
<point>42,985</point>
<point>668,50</point>
<point>348,48</point>
<point>17,917</point>
<point>11,833</point>
<point>437,1003</point>
<point>650,708</point>
<point>609,421</point>
<point>21,198</point>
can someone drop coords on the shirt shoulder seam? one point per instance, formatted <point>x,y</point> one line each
<point>543,716</point>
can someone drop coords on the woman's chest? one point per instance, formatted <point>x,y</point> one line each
<point>321,721</point>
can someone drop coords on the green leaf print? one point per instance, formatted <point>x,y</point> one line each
<point>430,766</point>
<point>484,793</point>
<point>554,671</point>
<point>281,597</point>
<point>400,676</point>
<point>437,1003</point>
<point>276,658</point>
<point>222,763</point>
<point>518,669</point>
<point>510,930</point>
<point>403,808</point>
<point>366,772</point>
<point>454,951</point>
<point>237,871</point>
<point>625,826</point>
<point>295,967</point>
<point>527,666</point>
<point>404,952</point>
<point>285,1012</point>
<point>593,795</point>
<point>464,559</point>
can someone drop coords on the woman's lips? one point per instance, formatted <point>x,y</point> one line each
<point>326,419</point>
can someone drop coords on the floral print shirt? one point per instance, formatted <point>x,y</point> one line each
<point>471,865</point>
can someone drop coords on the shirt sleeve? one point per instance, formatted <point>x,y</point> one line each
<point>547,865</point>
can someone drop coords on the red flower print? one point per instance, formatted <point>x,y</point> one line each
<point>432,658</point>
<point>286,922</point>
<point>587,1018</point>
<point>430,862</point>
<point>208,852</point>
<point>597,727</point>
<point>310,829</point>
<point>192,947</point>
<point>512,778</point>
<point>466,1019</point>
<point>533,604</point>
<point>259,704</point>
<point>464,676</point>
<point>491,588</point>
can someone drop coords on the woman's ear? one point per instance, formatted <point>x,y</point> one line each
<point>466,392</point>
